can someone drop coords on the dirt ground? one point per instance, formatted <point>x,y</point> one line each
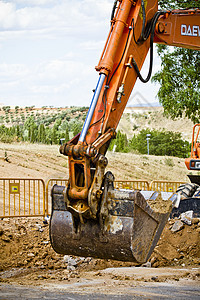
<point>26,160</point>
<point>26,256</point>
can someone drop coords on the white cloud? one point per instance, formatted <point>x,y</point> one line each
<point>7,15</point>
<point>60,14</point>
<point>13,71</point>
<point>49,48</point>
<point>33,2</point>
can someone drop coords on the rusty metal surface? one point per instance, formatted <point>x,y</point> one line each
<point>129,232</point>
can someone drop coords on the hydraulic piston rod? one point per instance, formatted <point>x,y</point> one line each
<point>92,107</point>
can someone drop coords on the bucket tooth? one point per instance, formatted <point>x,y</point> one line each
<point>128,231</point>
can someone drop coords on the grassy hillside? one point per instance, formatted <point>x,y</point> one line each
<point>132,121</point>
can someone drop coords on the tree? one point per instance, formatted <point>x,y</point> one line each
<point>121,143</point>
<point>33,132</point>
<point>16,109</point>
<point>41,134</point>
<point>54,135</point>
<point>175,4</point>
<point>32,129</point>
<point>161,143</point>
<point>75,126</point>
<point>180,72</point>
<point>66,135</point>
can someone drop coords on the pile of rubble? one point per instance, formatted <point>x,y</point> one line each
<point>179,243</point>
<point>24,244</point>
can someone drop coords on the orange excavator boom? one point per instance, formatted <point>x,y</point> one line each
<point>89,217</point>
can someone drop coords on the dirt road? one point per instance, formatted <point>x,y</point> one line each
<point>96,290</point>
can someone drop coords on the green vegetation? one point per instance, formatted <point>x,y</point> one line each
<point>48,126</point>
<point>179,91</point>
<point>39,126</point>
<point>161,143</point>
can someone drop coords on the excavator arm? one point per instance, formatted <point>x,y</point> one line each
<point>89,217</point>
<point>180,28</point>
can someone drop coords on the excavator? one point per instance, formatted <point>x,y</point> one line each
<point>89,216</point>
<point>190,192</point>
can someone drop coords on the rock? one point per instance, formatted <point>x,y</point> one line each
<point>50,266</point>
<point>45,242</point>
<point>10,236</point>
<point>147,264</point>
<point>183,265</point>
<point>88,259</point>
<point>1,231</point>
<point>188,214</point>
<point>38,263</point>
<point>66,258</point>
<point>6,239</point>
<point>38,227</point>
<point>178,225</point>
<point>175,259</point>
<point>171,222</point>
<point>71,268</point>
<point>65,278</point>
<point>186,220</point>
<point>155,278</point>
<point>153,260</point>
<point>72,262</point>
<point>196,260</point>
<point>30,255</point>
<point>195,220</point>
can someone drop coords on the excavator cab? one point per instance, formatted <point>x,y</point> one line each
<point>89,216</point>
<point>193,162</point>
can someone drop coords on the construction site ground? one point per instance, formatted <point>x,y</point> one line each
<point>30,269</point>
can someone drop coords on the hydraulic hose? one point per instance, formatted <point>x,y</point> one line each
<point>151,31</point>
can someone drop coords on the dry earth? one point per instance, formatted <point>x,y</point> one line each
<point>134,119</point>
<point>28,259</point>
<point>44,161</point>
<point>25,251</point>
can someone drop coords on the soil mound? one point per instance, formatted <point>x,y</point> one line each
<point>25,249</point>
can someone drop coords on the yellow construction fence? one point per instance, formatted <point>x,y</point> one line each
<point>31,197</point>
<point>22,197</point>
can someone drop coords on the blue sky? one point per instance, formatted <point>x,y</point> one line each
<point>48,51</point>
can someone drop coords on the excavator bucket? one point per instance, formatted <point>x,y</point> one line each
<point>127,229</point>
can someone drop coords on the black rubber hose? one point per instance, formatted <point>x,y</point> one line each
<point>113,9</point>
<point>152,31</point>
